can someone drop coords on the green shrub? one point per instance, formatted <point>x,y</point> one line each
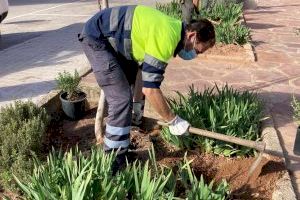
<point>223,110</point>
<point>228,34</point>
<point>224,13</point>
<point>296,107</point>
<point>22,126</point>
<point>172,9</point>
<point>68,83</point>
<point>74,176</point>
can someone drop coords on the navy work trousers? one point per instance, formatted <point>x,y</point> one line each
<point>115,75</point>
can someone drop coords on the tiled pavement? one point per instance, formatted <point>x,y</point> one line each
<point>27,70</point>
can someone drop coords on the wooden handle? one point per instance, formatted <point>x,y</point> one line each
<point>258,145</point>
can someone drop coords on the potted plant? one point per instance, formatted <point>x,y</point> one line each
<point>72,99</point>
<point>296,107</point>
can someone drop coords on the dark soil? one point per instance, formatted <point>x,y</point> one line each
<point>76,96</point>
<point>66,134</point>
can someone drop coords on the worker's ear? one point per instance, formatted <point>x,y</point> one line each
<point>191,35</point>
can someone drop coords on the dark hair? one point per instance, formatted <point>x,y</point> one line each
<point>205,30</point>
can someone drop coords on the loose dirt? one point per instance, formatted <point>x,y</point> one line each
<point>226,50</point>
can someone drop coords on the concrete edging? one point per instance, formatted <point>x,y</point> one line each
<point>284,189</point>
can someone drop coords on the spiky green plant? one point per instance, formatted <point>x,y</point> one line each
<point>172,9</point>
<point>296,107</point>
<point>68,83</point>
<point>223,110</point>
<point>74,176</point>
<point>227,33</point>
<point>22,127</point>
<point>226,15</point>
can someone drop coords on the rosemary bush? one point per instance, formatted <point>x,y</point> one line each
<point>22,126</point>
<point>68,83</point>
<point>223,110</point>
<point>225,14</point>
<point>74,176</point>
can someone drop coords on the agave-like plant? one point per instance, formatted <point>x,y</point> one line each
<point>226,15</point>
<point>73,176</point>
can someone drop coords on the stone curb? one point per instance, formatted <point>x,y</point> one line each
<point>284,189</point>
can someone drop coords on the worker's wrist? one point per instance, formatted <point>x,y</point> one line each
<point>170,117</point>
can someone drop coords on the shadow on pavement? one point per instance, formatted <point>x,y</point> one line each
<point>262,26</point>
<point>26,21</point>
<point>27,90</point>
<point>9,40</point>
<point>41,49</point>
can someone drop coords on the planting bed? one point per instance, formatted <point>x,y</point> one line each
<point>66,134</point>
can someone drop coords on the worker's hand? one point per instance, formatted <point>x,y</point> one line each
<point>179,126</point>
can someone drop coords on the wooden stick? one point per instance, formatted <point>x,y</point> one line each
<point>258,145</point>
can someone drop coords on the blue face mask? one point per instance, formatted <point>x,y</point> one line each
<point>187,55</point>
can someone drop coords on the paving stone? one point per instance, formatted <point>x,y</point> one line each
<point>290,70</point>
<point>296,82</point>
<point>237,76</point>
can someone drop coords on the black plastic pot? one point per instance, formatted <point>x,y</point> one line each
<point>73,109</point>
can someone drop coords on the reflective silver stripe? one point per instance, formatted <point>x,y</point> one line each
<point>113,42</point>
<point>128,18</point>
<point>127,48</point>
<point>155,62</point>
<point>114,19</point>
<point>152,77</point>
<point>116,144</point>
<point>113,130</point>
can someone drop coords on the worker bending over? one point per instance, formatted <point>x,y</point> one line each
<point>117,42</point>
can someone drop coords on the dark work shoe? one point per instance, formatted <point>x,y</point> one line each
<point>121,161</point>
<point>118,164</point>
